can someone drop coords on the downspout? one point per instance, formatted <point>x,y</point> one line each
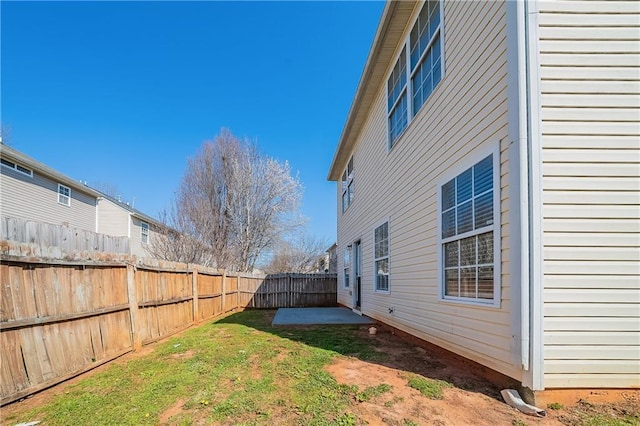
<point>523,147</point>
<point>530,188</point>
<point>536,259</point>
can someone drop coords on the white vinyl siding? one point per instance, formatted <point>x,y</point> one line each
<point>462,120</point>
<point>35,198</point>
<point>590,109</point>
<point>113,219</point>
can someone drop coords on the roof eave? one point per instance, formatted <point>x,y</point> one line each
<point>26,161</point>
<point>372,76</point>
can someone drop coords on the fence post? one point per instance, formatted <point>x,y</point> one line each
<point>238,293</point>
<point>290,283</point>
<point>194,285</point>
<point>224,291</point>
<point>133,307</point>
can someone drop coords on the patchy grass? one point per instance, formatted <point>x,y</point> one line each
<point>430,388</point>
<point>555,406</point>
<point>372,392</point>
<point>238,370</point>
<point>588,414</point>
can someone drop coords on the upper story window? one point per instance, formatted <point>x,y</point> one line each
<point>64,195</point>
<point>417,73</point>
<point>144,232</point>
<point>17,167</point>
<point>397,98</point>
<point>347,186</point>
<point>381,257</point>
<point>469,235</point>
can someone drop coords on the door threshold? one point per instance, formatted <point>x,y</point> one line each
<point>357,311</point>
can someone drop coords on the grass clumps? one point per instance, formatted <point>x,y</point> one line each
<point>431,388</point>
<point>372,392</point>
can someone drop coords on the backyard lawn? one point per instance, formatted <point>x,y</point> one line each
<point>241,370</point>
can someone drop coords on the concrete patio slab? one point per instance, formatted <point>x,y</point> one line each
<point>312,316</point>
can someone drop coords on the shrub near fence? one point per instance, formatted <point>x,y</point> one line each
<point>62,318</point>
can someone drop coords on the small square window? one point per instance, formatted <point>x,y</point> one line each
<point>64,195</point>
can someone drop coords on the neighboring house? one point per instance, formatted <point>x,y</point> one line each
<point>33,191</point>
<point>488,186</point>
<point>120,219</point>
<point>329,262</point>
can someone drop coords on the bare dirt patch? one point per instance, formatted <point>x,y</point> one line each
<point>175,409</point>
<point>472,400</point>
<point>183,355</point>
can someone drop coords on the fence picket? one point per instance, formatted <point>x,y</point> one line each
<point>60,318</point>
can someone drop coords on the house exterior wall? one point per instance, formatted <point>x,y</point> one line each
<point>464,118</point>
<point>137,246</point>
<point>36,198</point>
<point>113,219</point>
<point>590,109</point>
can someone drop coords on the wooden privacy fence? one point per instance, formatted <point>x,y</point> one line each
<point>59,318</point>
<point>46,240</point>
<point>289,291</point>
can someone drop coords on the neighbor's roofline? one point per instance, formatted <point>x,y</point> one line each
<point>134,212</point>
<point>13,154</point>
<point>371,77</point>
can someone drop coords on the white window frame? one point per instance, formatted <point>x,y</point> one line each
<point>387,257</point>
<point>495,227</point>
<point>61,189</point>
<point>17,167</point>
<point>144,236</point>
<point>346,267</point>
<point>348,185</point>
<point>407,89</point>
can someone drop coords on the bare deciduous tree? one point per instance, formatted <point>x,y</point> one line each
<point>171,241</point>
<point>301,255</point>
<point>236,202</point>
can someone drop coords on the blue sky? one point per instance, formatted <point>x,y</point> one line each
<point>122,93</point>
